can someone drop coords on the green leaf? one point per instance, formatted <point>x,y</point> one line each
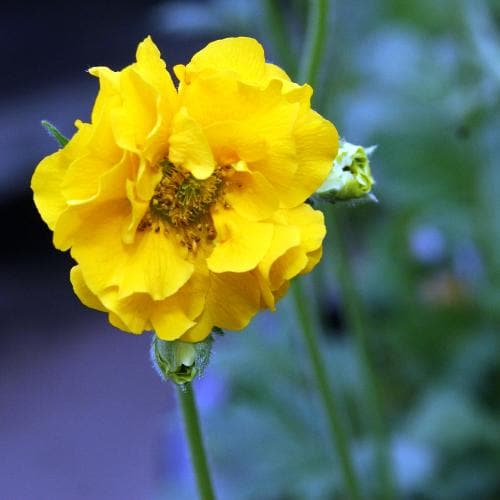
<point>52,130</point>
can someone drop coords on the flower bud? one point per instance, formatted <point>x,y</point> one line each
<point>350,177</point>
<point>180,361</point>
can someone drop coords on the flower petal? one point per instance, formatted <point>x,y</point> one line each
<point>230,146</point>
<point>48,177</point>
<point>242,56</point>
<point>133,121</point>
<point>46,185</point>
<point>82,177</point>
<point>152,70</point>
<point>240,244</point>
<point>82,291</point>
<point>131,314</point>
<point>232,301</point>
<point>252,196</point>
<point>152,264</point>
<point>250,124</point>
<point>316,141</point>
<point>284,238</point>
<point>173,316</point>
<point>304,256</point>
<point>189,146</point>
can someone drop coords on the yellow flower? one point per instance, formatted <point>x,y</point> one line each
<point>184,209</point>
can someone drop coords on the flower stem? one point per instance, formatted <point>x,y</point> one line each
<point>308,69</point>
<point>334,420</point>
<point>356,323</point>
<point>277,30</point>
<point>314,41</point>
<point>193,432</point>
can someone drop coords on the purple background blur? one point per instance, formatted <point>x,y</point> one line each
<point>82,413</point>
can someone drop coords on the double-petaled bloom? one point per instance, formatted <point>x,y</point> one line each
<point>184,209</point>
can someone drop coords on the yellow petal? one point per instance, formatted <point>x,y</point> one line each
<point>153,70</point>
<point>267,299</point>
<point>302,257</point>
<point>242,56</point>
<point>316,141</point>
<point>287,266</point>
<point>293,91</point>
<point>169,320</point>
<point>139,208</point>
<point>189,146</point>
<point>313,258</point>
<point>232,300</point>
<point>173,316</point>
<point>246,123</point>
<point>109,183</point>
<point>131,314</point>
<point>231,145</point>
<point>152,264</point>
<point>252,196</point>
<point>109,88</point>
<point>82,178</point>
<point>221,99</point>
<point>48,177</point>
<point>133,121</point>
<point>311,224</point>
<point>83,292</point>
<point>101,143</point>
<point>284,238</point>
<point>118,323</point>
<point>280,292</point>
<point>240,244</point>
<point>111,187</point>
<point>273,71</point>
<point>46,185</point>
<point>139,101</point>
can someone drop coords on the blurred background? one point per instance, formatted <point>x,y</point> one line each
<point>83,415</point>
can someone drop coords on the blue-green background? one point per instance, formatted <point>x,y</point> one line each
<point>82,415</point>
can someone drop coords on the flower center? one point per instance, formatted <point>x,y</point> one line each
<point>183,203</point>
<point>181,199</point>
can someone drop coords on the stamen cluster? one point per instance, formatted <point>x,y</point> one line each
<point>182,203</point>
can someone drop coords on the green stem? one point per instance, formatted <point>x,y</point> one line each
<point>311,57</point>
<point>356,323</point>
<point>314,41</point>
<point>334,420</point>
<point>193,432</point>
<point>277,30</point>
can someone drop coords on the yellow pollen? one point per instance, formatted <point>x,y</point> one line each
<point>183,202</point>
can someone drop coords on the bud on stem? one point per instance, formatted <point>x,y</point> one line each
<point>180,361</point>
<point>350,178</point>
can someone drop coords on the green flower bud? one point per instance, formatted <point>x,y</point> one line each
<point>350,177</point>
<point>180,361</point>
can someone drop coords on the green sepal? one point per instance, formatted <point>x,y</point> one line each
<point>52,130</point>
<point>180,361</point>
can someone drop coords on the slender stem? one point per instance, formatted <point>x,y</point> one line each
<point>481,26</point>
<point>356,322</point>
<point>314,41</point>
<point>277,30</point>
<point>311,56</point>
<point>193,432</point>
<point>334,420</point>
